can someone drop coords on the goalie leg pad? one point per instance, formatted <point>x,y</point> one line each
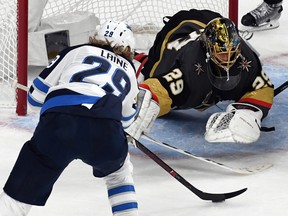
<point>148,110</point>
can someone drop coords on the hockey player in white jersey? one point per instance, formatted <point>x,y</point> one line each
<point>87,97</point>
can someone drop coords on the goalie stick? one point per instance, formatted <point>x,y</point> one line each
<point>246,170</point>
<point>202,195</point>
<point>276,91</point>
<point>280,88</point>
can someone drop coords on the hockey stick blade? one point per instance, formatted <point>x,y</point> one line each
<point>246,170</point>
<point>202,195</point>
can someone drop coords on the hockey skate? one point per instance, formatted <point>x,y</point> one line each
<point>264,17</point>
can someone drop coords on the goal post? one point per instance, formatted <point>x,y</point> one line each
<point>22,57</point>
<point>145,17</point>
<point>233,11</point>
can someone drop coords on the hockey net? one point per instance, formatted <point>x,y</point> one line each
<point>13,54</point>
<point>144,16</point>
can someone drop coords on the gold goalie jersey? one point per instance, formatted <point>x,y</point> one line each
<point>180,73</point>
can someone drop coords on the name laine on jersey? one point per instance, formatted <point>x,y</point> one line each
<point>114,58</point>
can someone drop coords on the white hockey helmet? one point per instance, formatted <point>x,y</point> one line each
<point>118,33</point>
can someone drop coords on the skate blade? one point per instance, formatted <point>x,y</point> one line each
<point>266,26</point>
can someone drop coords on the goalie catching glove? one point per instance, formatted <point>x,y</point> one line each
<point>148,109</point>
<point>240,123</point>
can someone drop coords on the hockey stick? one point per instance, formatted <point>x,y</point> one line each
<point>280,88</point>
<point>202,195</point>
<point>246,170</point>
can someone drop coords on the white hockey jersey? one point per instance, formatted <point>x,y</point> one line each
<point>82,75</point>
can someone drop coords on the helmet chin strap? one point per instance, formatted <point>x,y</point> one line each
<point>208,58</point>
<point>228,74</point>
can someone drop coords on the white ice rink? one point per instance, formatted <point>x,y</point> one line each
<point>159,194</point>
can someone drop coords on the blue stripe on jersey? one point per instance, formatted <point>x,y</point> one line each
<point>68,100</point>
<point>40,85</point>
<point>121,189</point>
<point>125,206</point>
<point>33,102</point>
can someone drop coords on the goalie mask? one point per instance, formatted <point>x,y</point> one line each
<point>222,42</point>
<point>117,33</point>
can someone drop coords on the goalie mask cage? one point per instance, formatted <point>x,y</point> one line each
<point>144,16</point>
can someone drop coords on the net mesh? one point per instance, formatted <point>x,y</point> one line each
<point>146,15</point>
<point>8,52</point>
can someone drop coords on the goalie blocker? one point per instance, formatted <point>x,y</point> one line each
<point>241,123</point>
